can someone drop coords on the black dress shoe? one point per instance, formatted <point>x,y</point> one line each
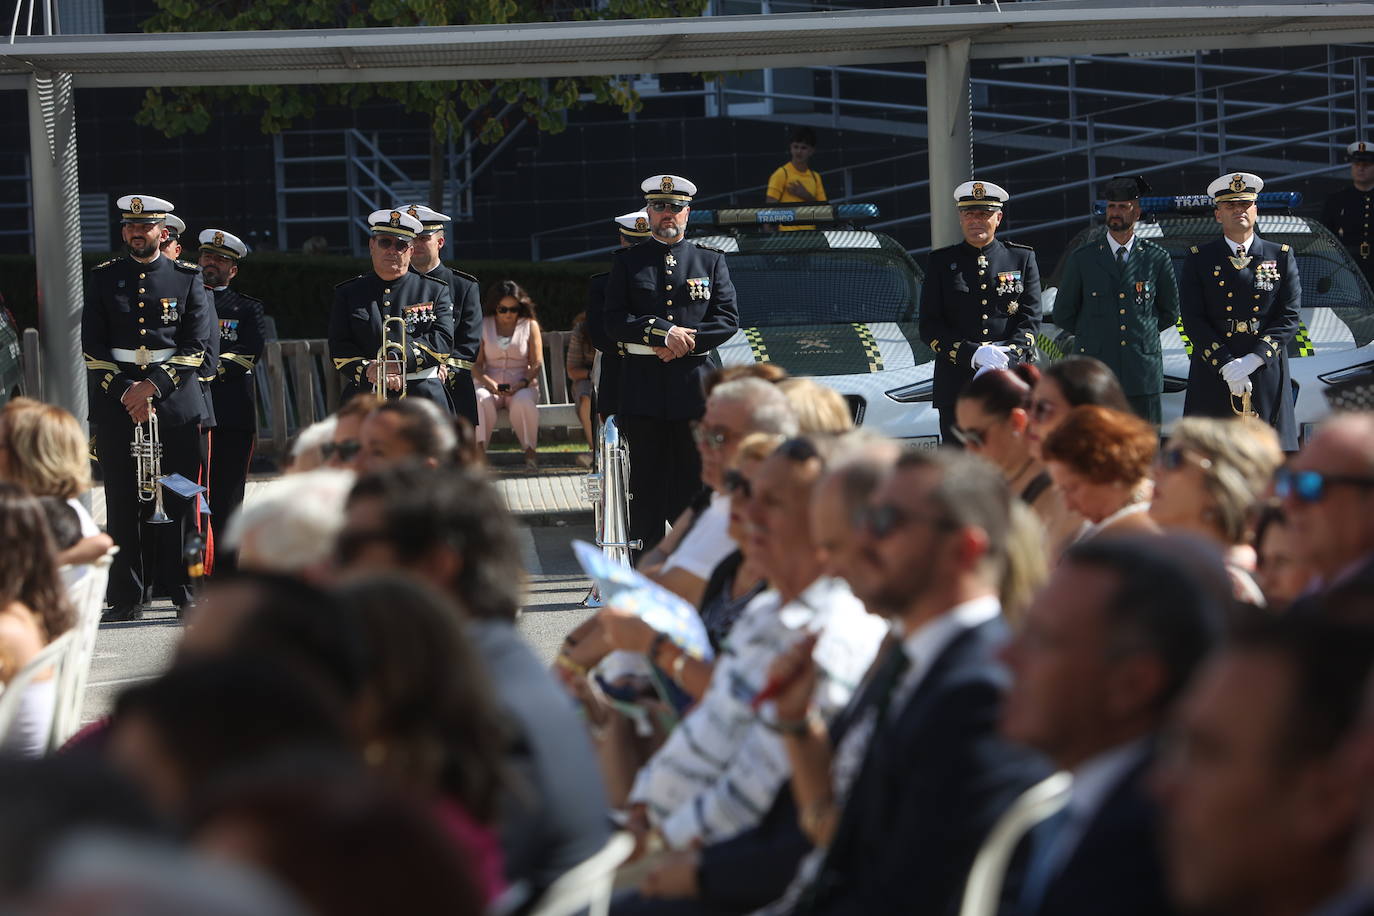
<point>122,613</point>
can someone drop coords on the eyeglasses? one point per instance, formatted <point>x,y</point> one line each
<point>736,484</point>
<point>710,438</point>
<point>883,521</point>
<point>387,241</point>
<point>350,544</point>
<point>1311,486</point>
<point>345,449</point>
<point>1171,459</point>
<point>1042,409</point>
<point>507,310</point>
<point>659,206</point>
<point>977,438</point>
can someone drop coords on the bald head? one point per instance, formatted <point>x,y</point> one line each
<point>1338,529</point>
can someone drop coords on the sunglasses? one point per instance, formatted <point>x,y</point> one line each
<point>1171,459</point>
<point>798,449</point>
<point>885,520</point>
<point>345,449</point>
<point>660,206</point>
<point>507,310</point>
<point>387,241</point>
<point>709,438</point>
<point>1311,486</point>
<point>977,438</point>
<point>736,484</point>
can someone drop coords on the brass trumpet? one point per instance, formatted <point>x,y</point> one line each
<point>391,356</point>
<point>146,450</point>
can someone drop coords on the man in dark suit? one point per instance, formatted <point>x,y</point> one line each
<point>425,252</point>
<point>392,290</point>
<point>980,306</point>
<point>1117,294</point>
<point>900,806</point>
<point>632,228</point>
<point>1350,211</point>
<point>1328,500</point>
<point>450,528</point>
<point>241,337</point>
<point>144,332</point>
<point>1100,656</point>
<point>1240,297</point>
<point>1261,792</point>
<point>670,302</point>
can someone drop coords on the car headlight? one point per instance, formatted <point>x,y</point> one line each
<point>1336,376</point>
<point>910,394</point>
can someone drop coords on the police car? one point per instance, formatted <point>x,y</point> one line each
<point>11,362</point>
<point>1333,343</point>
<point>835,303</point>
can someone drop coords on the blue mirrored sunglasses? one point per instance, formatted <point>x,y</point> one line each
<point>1312,486</point>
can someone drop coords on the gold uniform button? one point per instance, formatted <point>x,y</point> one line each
<point>1094,294</point>
<point>387,291</point>
<point>670,317</point>
<point>141,304</point>
<point>985,302</point>
<point>981,272</point>
<point>1123,343</point>
<point>1123,327</point>
<point>141,290</point>
<point>141,276</point>
<point>669,287</point>
<point>1123,311</point>
<point>984,286</point>
<point>143,330</point>
<point>985,330</point>
<point>1228,308</point>
<point>985,317</point>
<point>670,273</point>
<point>669,302</point>
<point>1214,362</point>
<point>1255,309</point>
<point>1121,295</point>
<point>140,319</point>
<point>1221,283</point>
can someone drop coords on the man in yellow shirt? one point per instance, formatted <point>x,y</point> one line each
<point>795,181</point>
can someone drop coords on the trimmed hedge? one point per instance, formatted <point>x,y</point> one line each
<point>298,289</point>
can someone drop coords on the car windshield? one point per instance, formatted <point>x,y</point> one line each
<point>818,278</point>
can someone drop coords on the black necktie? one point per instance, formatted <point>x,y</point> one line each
<point>1121,256</point>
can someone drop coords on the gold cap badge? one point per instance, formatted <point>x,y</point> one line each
<point>1237,182</point>
<point>641,224</point>
<point>978,191</point>
<point>136,205</point>
<point>219,239</point>
<point>666,184</point>
<point>413,212</point>
<point>395,218</point>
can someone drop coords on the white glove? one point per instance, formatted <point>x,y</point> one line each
<point>990,356</point>
<point>1233,373</point>
<point>1250,362</point>
<point>1240,386</point>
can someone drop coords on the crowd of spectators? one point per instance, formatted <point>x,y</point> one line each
<point>1065,670</point>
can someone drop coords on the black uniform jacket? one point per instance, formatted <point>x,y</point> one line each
<point>467,315</point>
<point>158,314</point>
<point>242,338</point>
<point>975,296</point>
<point>654,287</point>
<point>1231,311</point>
<point>355,327</point>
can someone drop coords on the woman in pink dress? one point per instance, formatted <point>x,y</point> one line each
<point>507,371</point>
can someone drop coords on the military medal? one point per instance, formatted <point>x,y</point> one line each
<point>169,310</point>
<point>1010,282</point>
<point>229,329</point>
<point>670,261</point>
<point>1012,307</point>
<point>1267,275</point>
<point>1364,250</point>
<point>982,261</point>
<point>699,288</point>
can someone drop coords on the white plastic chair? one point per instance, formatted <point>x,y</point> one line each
<point>56,655</point>
<point>587,885</point>
<point>88,599</point>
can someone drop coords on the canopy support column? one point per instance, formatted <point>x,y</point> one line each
<point>950,151</point>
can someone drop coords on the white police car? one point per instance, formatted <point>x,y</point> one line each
<point>1334,341</point>
<point>11,357</point>
<point>836,304</point>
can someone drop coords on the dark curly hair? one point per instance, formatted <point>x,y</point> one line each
<point>28,562</point>
<point>1103,445</point>
<point>503,288</point>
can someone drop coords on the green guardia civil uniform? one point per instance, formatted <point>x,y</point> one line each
<point>1117,311</point>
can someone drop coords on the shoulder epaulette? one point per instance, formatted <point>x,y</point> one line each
<point>604,273</point>
<point>107,263</point>
<point>1283,247</point>
<point>186,266</point>
<point>1018,245</point>
<point>1193,249</point>
<point>464,274</point>
<point>349,280</point>
<point>247,298</point>
<point>705,247</point>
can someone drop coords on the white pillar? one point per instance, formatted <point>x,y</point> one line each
<point>57,238</point>
<point>950,151</point>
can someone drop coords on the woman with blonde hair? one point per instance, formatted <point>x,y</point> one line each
<point>1211,476</point>
<point>819,409</point>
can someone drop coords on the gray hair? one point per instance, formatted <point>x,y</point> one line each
<point>1242,457</point>
<point>290,525</point>
<point>769,409</point>
<point>312,439</point>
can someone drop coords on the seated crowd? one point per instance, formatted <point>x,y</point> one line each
<point>1064,670</point>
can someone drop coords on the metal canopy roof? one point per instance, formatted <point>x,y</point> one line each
<point>720,43</point>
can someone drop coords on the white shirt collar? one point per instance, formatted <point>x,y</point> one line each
<point>1114,244</point>
<point>924,645</point>
<point>1233,244</point>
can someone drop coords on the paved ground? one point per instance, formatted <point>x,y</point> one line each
<point>127,653</point>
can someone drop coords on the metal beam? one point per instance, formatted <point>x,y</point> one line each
<point>57,239</point>
<point>950,148</point>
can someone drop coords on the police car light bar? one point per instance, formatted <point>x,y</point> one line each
<point>786,213</point>
<point>1267,200</point>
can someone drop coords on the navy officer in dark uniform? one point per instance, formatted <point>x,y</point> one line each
<point>242,336</point>
<point>144,331</point>
<point>467,307</point>
<point>669,302</point>
<point>1240,297</point>
<point>980,306</point>
<point>1350,211</point>
<point>633,228</point>
<point>392,290</point>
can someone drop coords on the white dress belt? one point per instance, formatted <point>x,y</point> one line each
<point>431,372</point>
<point>131,356</point>
<point>639,350</point>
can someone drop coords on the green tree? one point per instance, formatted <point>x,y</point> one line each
<point>442,104</point>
